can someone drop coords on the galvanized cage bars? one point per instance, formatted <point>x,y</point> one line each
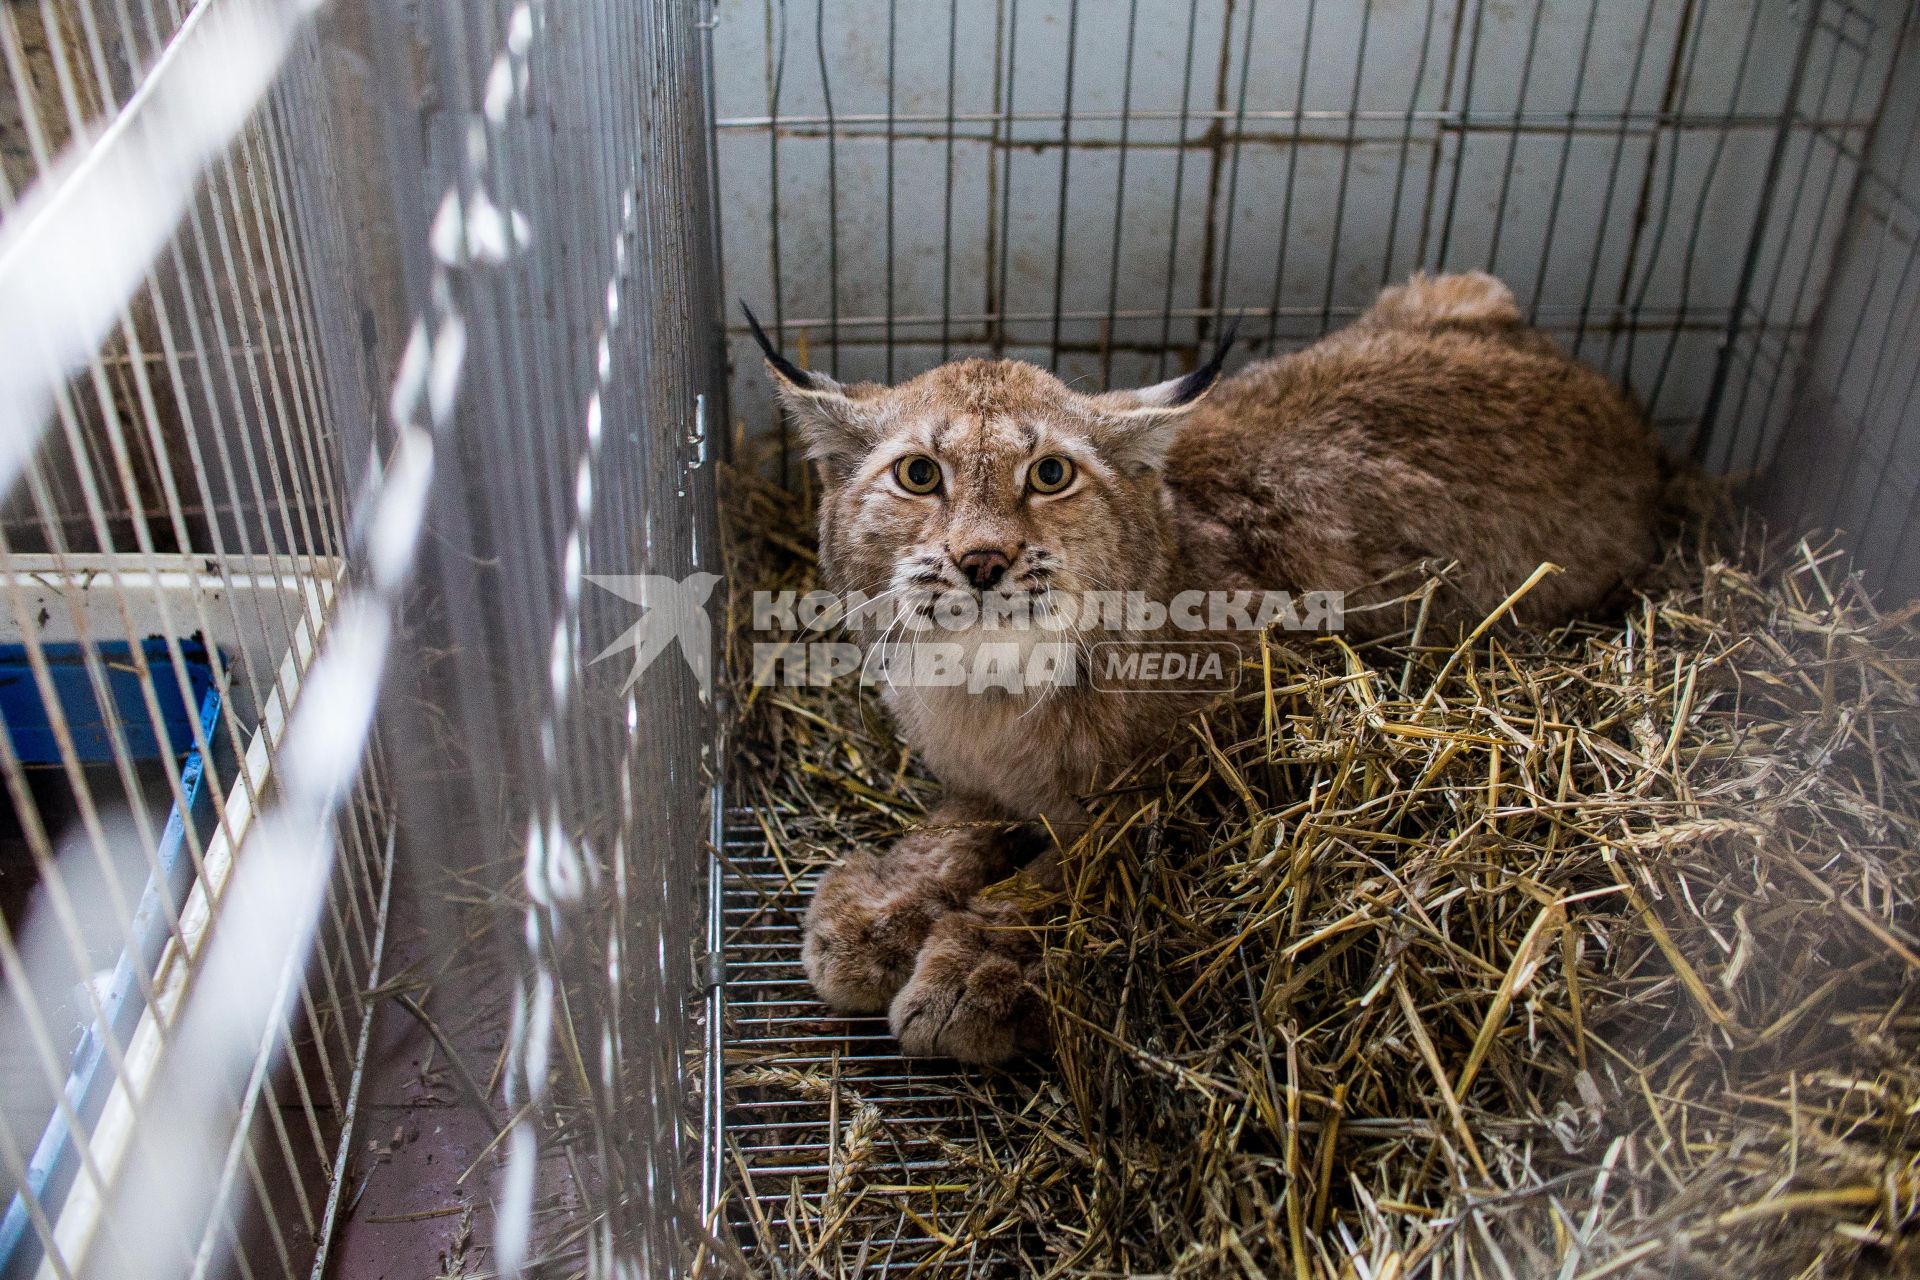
<point>557,211</point>
<point>1845,448</point>
<point>1095,187</point>
<point>195,902</point>
<point>1712,200</point>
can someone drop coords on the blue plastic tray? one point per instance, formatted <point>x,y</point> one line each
<point>25,713</point>
<point>51,1170</point>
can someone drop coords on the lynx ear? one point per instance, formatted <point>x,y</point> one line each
<point>1141,424</point>
<point>837,430</point>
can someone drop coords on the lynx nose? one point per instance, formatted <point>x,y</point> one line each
<point>984,566</point>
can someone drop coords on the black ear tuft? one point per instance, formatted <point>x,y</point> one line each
<point>781,365</point>
<point>1201,380</point>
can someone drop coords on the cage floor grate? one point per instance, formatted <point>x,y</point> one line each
<point>814,1181</point>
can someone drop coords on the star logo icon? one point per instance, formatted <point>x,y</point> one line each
<point>676,609</point>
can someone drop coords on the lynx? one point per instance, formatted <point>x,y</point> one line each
<point>1437,428</point>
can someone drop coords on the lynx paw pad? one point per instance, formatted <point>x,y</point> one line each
<point>972,995</point>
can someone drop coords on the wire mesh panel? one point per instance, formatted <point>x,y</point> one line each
<point>550,167</point>
<point>837,1150</point>
<point>1849,454</point>
<point>1097,187</point>
<point>1710,200</point>
<point>189,923</point>
<point>396,283</point>
<point>384,342</point>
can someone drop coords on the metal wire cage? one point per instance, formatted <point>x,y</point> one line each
<point>345,346</point>
<point>1697,197</point>
<point>173,554</point>
<point>1712,200</point>
<point>348,351</point>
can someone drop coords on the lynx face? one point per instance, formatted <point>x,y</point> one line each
<point>989,483</point>
<point>987,479</point>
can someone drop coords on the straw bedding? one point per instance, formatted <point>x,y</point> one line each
<point>1569,955</point>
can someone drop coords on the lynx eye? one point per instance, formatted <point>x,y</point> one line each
<point>1050,474</point>
<point>917,473</point>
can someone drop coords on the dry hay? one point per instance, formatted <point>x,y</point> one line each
<point>1574,955</point>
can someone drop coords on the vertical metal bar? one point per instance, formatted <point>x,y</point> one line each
<point>1886,344</point>
<point>288,415</point>
<point>1465,126</point>
<point>1119,200</point>
<point>893,51</point>
<point>1222,267</point>
<point>257,683</point>
<point>122,460</point>
<point>1814,241</point>
<point>1347,147</point>
<point>49,1059</point>
<point>221,345</point>
<point>713,1171</point>
<point>1293,160</point>
<point>722,417</point>
<point>342,345</point>
<point>164,479</point>
<point>1513,136</point>
<point>1698,221</point>
<point>1179,189</point>
<point>1003,138</point>
<point>100,687</point>
<point>1406,146</point>
<point>833,186</point>
<point>77,115</point>
<point>946,202</point>
<point>1900,425</point>
<point>1535,294</point>
<point>1750,258</point>
<point>294,294</point>
<point>349,1113</point>
<point>97,517</point>
<point>1060,207</point>
<point>1597,256</point>
<point>296,417</point>
<point>262,374</point>
<point>15,1164</point>
<point>1871,399</point>
<point>776,73</point>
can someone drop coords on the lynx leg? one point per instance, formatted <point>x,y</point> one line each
<point>870,915</point>
<point>975,992</point>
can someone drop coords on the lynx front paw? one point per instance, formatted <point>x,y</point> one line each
<point>972,995</point>
<point>864,932</point>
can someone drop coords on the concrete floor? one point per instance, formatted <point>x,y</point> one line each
<point>409,1212</point>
